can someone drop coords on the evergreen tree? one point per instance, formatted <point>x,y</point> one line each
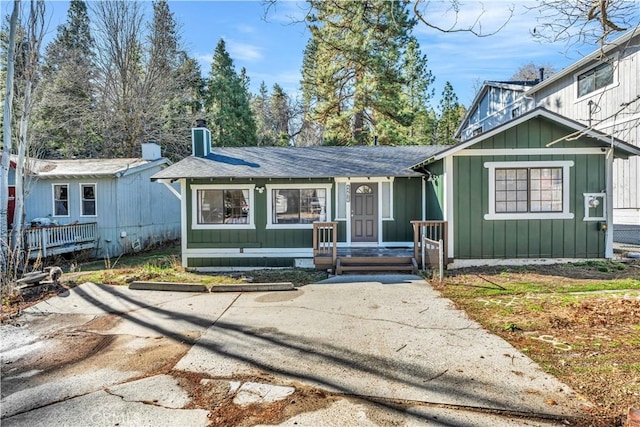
<point>451,113</point>
<point>280,114</point>
<point>418,93</point>
<point>352,81</point>
<point>173,86</point>
<point>227,105</point>
<point>261,113</point>
<point>65,121</point>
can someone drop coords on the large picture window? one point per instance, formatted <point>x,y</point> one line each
<point>88,195</point>
<point>60,199</point>
<point>297,205</point>
<point>529,190</point>
<point>594,79</point>
<point>223,206</point>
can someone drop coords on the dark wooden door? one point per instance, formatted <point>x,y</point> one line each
<point>364,212</point>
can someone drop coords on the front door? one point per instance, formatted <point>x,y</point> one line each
<point>364,212</point>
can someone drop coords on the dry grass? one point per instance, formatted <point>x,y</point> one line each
<point>580,322</point>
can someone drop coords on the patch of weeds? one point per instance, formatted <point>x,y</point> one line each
<point>511,327</point>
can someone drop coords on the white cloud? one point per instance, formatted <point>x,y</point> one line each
<point>243,51</point>
<point>245,28</point>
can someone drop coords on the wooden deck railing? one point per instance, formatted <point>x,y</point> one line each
<point>433,230</point>
<point>59,239</point>
<point>325,244</point>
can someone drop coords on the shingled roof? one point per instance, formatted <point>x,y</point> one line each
<point>301,162</point>
<point>68,168</point>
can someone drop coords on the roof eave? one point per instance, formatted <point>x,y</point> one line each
<point>584,61</point>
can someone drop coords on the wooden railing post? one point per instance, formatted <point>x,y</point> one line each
<point>325,242</point>
<point>433,230</point>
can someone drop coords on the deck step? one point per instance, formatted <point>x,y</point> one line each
<point>374,260</point>
<point>368,264</point>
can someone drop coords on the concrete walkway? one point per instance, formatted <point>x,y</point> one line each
<point>390,349</point>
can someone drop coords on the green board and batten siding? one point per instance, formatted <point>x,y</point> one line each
<point>477,238</point>
<point>407,207</point>
<point>260,237</point>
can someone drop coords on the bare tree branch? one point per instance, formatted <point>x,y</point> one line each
<point>421,8</point>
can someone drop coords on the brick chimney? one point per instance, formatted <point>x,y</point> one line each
<point>200,139</point>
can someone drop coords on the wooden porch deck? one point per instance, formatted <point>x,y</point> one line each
<point>328,256</point>
<point>55,240</point>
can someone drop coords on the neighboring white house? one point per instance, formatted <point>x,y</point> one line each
<point>107,205</point>
<point>494,104</point>
<point>602,90</point>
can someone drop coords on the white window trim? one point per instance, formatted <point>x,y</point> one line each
<point>566,187</point>
<point>95,200</point>
<point>270,187</point>
<point>53,200</point>
<point>194,207</point>
<point>613,61</point>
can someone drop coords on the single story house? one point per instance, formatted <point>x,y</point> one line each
<point>107,205</point>
<point>518,192</point>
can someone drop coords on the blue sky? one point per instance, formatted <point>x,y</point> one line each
<point>271,47</point>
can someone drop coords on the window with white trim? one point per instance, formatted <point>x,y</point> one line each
<point>60,199</point>
<point>297,205</point>
<point>88,200</point>
<point>594,79</point>
<point>222,206</point>
<point>529,190</point>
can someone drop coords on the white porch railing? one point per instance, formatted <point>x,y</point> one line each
<point>48,241</point>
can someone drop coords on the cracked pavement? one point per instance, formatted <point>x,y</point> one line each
<point>382,349</point>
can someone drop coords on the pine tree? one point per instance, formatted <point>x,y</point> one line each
<point>451,113</point>
<point>261,113</point>
<point>418,93</point>
<point>64,118</point>
<point>280,115</point>
<point>352,81</point>
<point>227,104</point>
<point>173,86</point>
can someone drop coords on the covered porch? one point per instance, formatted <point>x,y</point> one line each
<point>429,246</point>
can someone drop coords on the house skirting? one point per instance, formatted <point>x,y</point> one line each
<point>465,263</point>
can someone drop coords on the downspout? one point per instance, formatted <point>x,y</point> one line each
<point>608,245</point>
<point>424,198</point>
<point>183,222</point>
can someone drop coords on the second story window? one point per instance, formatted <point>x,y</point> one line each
<point>594,79</point>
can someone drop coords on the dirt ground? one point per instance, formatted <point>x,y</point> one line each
<point>586,336</point>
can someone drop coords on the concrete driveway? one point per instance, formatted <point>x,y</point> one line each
<point>383,350</point>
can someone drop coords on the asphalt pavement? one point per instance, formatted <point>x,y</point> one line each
<point>387,349</point>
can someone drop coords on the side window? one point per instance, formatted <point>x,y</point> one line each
<point>88,200</point>
<point>594,79</point>
<point>60,199</point>
<point>529,190</point>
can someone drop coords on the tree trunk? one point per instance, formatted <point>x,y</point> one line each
<point>6,152</point>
